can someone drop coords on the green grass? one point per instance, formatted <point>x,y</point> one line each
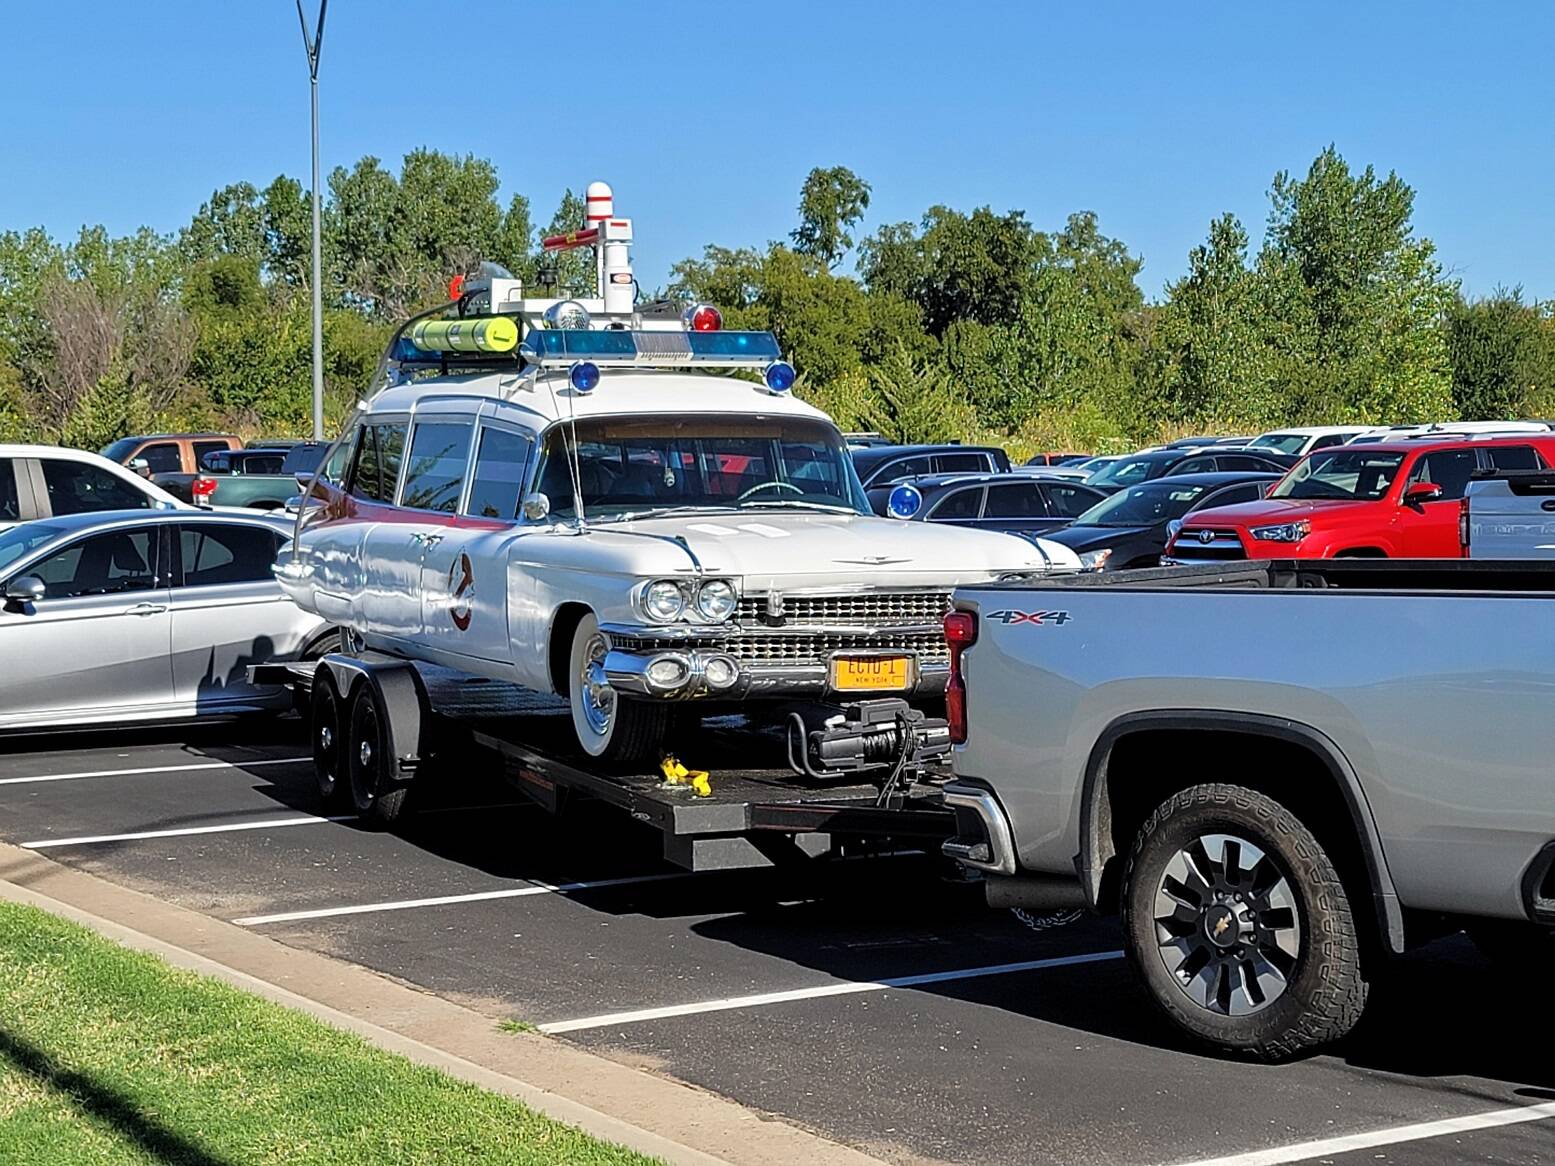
<point>515,1026</point>
<point>113,1057</point>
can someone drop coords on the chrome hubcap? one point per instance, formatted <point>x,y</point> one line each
<point>326,737</point>
<point>599,699</point>
<point>1226,925</point>
<point>366,754</point>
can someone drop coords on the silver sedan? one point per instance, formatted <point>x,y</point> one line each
<point>144,616</point>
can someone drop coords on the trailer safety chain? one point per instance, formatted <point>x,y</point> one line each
<point>1046,922</point>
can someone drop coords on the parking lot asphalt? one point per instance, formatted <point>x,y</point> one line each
<point>872,1000</point>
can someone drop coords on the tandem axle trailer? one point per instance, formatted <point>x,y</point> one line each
<point>381,726</point>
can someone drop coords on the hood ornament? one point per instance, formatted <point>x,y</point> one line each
<point>871,561</point>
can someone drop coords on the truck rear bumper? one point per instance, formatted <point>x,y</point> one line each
<point>983,839</point>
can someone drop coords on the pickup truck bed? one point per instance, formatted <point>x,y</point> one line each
<point>1399,713</point>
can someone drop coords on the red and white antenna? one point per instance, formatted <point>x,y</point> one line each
<point>611,239</point>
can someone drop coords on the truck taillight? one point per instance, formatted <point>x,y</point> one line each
<point>1463,525</point>
<point>201,489</point>
<point>960,632</point>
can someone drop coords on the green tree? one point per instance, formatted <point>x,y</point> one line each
<point>831,203</point>
<point>1360,300</point>
<point>1503,357</point>
<point>917,401</point>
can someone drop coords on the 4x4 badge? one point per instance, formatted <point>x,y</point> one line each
<point>1010,616</point>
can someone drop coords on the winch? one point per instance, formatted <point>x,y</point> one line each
<point>887,741</point>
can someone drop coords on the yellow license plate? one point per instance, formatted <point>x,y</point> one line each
<point>871,673</point>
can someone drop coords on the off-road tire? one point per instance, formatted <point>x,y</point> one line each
<point>377,794</point>
<point>637,728</point>
<point>1325,991</point>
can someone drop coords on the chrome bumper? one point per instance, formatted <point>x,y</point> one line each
<point>699,669</point>
<point>990,846</point>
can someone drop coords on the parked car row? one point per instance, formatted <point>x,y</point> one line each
<point>1305,492</point>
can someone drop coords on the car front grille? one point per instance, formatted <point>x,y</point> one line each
<point>1222,545</point>
<point>879,609</point>
<point>776,648</point>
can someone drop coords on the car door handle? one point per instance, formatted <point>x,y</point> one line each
<point>426,539</point>
<point>146,609</point>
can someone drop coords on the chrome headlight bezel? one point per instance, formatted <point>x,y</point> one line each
<point>1283,532</point>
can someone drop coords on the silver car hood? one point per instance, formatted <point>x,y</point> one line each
<point>789,550</point>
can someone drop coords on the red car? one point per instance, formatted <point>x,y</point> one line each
<point>1395,499</point>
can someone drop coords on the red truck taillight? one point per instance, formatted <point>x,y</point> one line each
<point>201,489</point>
<point>960,632</point>
<point>1463,525</point>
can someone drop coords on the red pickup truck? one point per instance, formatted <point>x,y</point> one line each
<point>1396,500</point>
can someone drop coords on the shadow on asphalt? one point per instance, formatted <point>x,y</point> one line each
<point>212,738</point>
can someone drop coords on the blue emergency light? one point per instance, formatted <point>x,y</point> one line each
<point>618,347</point>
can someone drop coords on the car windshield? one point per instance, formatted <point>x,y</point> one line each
<point>1284,442</point>
<point>119,450</point>
<point>1348,474</point>
<point>1143,505</point>
<point>1123,472</point>
<point>631,466</point>
<point>23,539</point>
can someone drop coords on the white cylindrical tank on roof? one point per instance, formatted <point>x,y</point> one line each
<point>599,203</point>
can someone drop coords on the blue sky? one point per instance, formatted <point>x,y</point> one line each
<point>705,118</point>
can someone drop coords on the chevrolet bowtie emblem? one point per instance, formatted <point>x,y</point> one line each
<point>1221,924</point>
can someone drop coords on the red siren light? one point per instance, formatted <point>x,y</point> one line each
<point>455,287</point>
<point>704,318</point>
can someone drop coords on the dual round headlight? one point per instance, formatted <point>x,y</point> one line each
<point>666,600</point>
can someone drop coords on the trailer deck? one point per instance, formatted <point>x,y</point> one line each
<point>759,813</point>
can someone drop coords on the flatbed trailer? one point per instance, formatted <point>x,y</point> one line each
<point>380,725</point>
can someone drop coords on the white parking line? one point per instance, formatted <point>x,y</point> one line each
<point>1328,1147</point>
<point>267,824</point>
<point>847,988</point>
<point>445,900</point>
<point>154,769</point>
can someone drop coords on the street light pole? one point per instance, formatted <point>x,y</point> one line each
<point>311,43</point>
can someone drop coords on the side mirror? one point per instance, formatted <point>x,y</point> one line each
<point>25,589</point>
<point>536,507</point>
<point>1421,493</point>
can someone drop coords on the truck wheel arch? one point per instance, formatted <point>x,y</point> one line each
<point>1099,861</point>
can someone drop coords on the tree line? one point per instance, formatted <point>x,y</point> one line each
<point>976,325</point>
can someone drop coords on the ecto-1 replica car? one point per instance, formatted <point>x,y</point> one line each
<point>558,495</point>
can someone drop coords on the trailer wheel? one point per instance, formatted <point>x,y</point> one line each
<point>376,793</point>
<point>327,729</point>
<point>607,726</point>
<point>1239,924</point>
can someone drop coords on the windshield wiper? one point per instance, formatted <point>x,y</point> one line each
<point>796,504</point>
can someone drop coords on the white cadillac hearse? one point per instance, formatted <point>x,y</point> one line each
<point>566,495</point>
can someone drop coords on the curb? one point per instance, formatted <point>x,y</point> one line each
<point>668,1119</point>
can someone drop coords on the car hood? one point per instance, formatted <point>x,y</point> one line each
<point>1090,538</point>
<point>1272,510</point>
<point>795,550</point>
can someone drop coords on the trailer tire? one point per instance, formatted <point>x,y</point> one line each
<point>327,729</point>
<point>609,728</point>
<point>377,794</point>
<point>1239,925</point>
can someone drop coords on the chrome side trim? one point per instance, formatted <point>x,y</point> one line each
<point>1001,844</point>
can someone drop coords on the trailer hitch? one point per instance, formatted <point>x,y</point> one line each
<point>887,741</point>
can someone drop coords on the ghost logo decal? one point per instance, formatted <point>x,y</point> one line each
<point>461,591</point>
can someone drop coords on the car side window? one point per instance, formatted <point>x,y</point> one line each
<point>378,463</point>
<point>958,505</point>
<point>203,449</point>
<point>1022,500</point>
<point>1070,501</point>
<point>961,463</point>
<point>78,487</point>
<point>1193,465</point>
<point>105,564</point>
<point>1328,440</point>
<point>269,463</point>
<point>1448,468</point>
<point>1232,496</point>
<point>439,457</point>
<point>10,496</point>
<point>216,553</point>
<point>1515,457</point>
<point>163,457</point>
<point>498,481</point>
<point>896,471</point>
